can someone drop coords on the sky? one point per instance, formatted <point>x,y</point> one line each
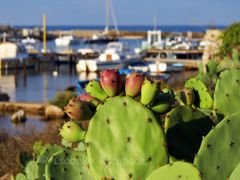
<point>128,12</point>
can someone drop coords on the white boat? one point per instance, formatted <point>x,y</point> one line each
<point>160,67</point>
<point>9,51</point>
<point>65,41</point>
<point>32,45</point>
<point>116,55</point>
<point>29,40</point>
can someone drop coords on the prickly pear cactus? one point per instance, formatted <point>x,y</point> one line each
<point>95,90</point>
<point>111,82</point>
<point>134,84</point>
<point>163,102</point>
<point>175,171</point>
<point>43,159</point>
<point>124,140</point>
<point>185,127</point>
<point>219,152</point>
<point>203,97</point>
<point>21,176</point>
<point>227,94</point>
<point>78,110</point>
<point>149,91</point>
<point>72,132</point>
<point>68,165</point>
<point>236,173</point>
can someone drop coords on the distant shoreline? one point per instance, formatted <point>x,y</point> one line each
<point>140,28</point>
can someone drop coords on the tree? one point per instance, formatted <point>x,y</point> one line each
<point>230,40</point>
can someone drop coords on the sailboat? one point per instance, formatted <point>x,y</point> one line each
<point>103,38</point>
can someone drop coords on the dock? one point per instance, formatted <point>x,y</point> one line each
<point>16,63</point>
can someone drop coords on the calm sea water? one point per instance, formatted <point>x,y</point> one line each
<point>164,28</point>
<point>41,85</point>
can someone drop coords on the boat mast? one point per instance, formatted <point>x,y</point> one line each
<point>155,21</point>
<point>114,17</point>
<point>107,17</point>
<point>44,34</point>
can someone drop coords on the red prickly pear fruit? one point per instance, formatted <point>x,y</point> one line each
<point>111,82</point>
<point>72,132</point>
<point>85,97</point>
<point>78,110</point>
<point>89,99</point>
<point>133,84</point>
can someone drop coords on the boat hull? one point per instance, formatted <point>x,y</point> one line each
<point>99,41</point>
<point>95,65</point>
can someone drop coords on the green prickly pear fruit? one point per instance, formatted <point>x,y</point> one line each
<point>190,96</point>
<point>72,132</point>
<point>133,84</point>
<point>111,82</point>
<point>163,102</point>
<point>95,90</point>
<point>78,110</point>
<point>148,91</point>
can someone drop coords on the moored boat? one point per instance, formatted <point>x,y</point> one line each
<point>116,55</point>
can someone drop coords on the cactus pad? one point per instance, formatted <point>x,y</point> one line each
<point>219,152</point>
<point>175,171</point>
<point>203,98</point>
<point>68,165</point>
<point>124,141</point>
<point>43,158</point>
<point>227,94</point>
<point>184,128</point>
<point>236,173</point>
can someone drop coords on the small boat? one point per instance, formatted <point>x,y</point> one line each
<point>141,67</point>
<point>100,39</point>
<point>9,51</point>
<point>14,56</point>
<point>116,55</point>
<point>66,41</point>
<point>159,67</point>
<point>156,67</point>
<point>32,45</point>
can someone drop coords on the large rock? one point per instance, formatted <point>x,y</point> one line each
<point>19,116</point>
<point>53,112</point>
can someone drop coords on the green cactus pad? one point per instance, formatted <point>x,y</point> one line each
<point>219,152</point>
<point>68,165</point>
<point>31,170</point>
<point>184,129</point>
<point>236,173</point>
<point>175,171</point>
<point>227,94</point>
<point>124,141</point>
<point>21,176</point>
<point>43,158</point>
<point>203,98</point>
